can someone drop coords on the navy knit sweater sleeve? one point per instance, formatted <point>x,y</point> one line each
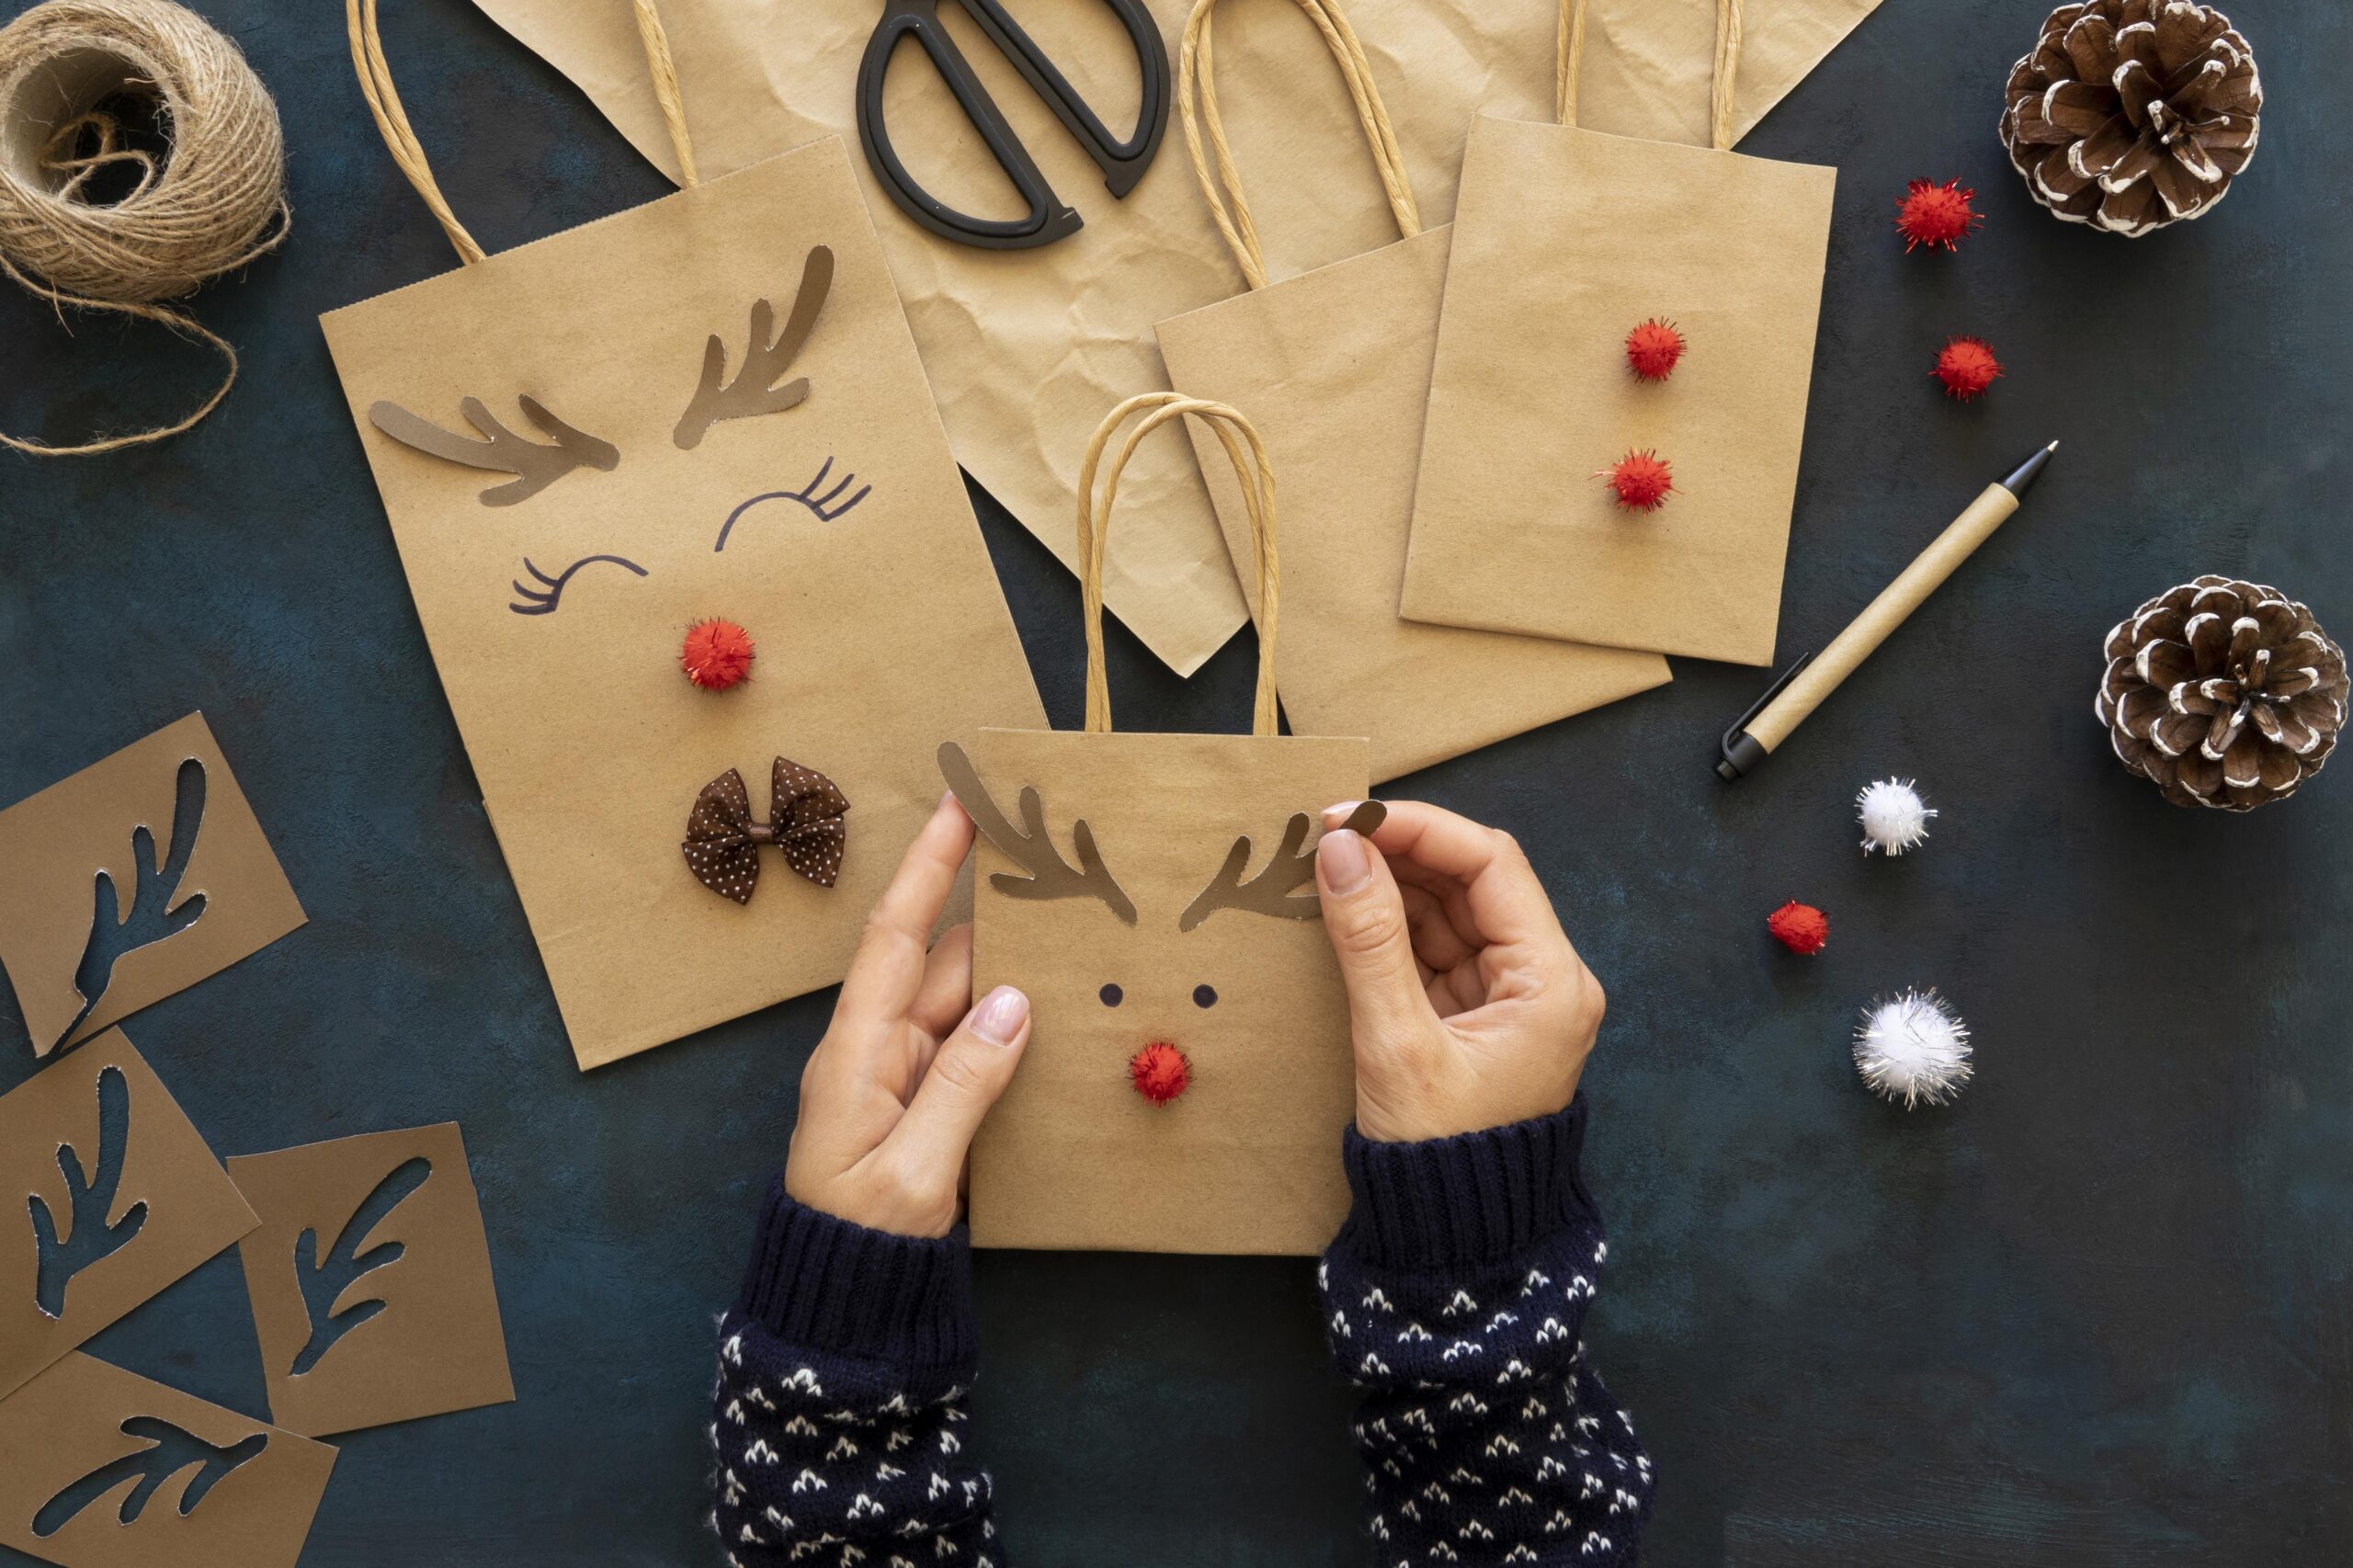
<point>1455,1295</point>
<point>838,1420</point>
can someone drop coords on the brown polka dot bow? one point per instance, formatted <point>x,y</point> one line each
<point>722,843</point>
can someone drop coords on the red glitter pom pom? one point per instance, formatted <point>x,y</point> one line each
<point>717,655</point>
<point>1932,215</point>
<point>1800,927</point>
<point>1653,348</point>
<point>1967,367</point>
<point>1160,1072</point>
<point>1642,480</point>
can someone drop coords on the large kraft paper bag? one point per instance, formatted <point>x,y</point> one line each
<point>1145,891</point>
<point>1025,350</point>
<point>1565,239</point>
<point>1334,367</point>
<point>778,465</point>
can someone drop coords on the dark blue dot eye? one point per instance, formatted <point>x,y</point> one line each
<point>1204,996</point>
<point>1112,995</point>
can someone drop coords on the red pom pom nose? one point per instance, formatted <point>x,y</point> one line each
<point>1800,927</point>
<point>1967,367</point>
<point>1160,1072</point>
<point>718,654</point>
<point>1642,480</point>
<point>1932,214</point>
<point>1653,348</point>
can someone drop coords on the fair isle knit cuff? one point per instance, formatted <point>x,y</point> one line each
<point>837,1289</point>
<point>1479,1198</point>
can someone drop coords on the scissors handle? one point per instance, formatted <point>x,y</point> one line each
<point>1048,219</point>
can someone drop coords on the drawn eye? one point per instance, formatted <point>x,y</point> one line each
<point>825,504</point>
<point>1112,995</point>
<point>1204,996</point>
<point>543,599</point>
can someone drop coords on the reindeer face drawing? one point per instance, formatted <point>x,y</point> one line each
<point>1188,1070</point>
<point>674,503</point>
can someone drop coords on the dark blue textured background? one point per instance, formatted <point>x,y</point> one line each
<point>2096,1313</point>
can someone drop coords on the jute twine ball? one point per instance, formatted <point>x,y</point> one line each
<point>212,202</point>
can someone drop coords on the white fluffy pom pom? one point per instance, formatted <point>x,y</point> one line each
<point>1911,1048</point>
<point>1894,816</point>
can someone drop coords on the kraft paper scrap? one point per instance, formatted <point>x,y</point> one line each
<point>1026,349</point>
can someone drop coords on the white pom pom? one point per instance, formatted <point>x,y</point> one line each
<point>1912,1048</point>
<point>1894,816</point>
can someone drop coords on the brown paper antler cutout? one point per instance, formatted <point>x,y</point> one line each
<point>106,1196</point>
<point>1050,877</point>
<point>370,1282</point>
<point>1270,892</point>
<point>100,1467</point>
<point>753,390</point>
<point>535,467</point>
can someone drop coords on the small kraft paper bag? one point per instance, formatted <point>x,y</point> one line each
<point>1564,241</point>
<point>701,579</point>
<point>1335,365</point>
<point>1189,1073</point>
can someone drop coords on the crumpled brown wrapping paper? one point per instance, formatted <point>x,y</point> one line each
<point>1026,349</point>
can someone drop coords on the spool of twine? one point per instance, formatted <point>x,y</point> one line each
<point>211,201</point>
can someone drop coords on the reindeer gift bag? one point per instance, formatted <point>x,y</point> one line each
<point>1335,365</point>
<point>1188,1074</point>
<point>1566,240</point>
<point>701,579</point>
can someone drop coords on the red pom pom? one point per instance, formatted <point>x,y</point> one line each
<point>1967,367</point>
<point>1653,348</point>
<point>718,654</point>
<point>1160,1072</point>
<point>1932,215</point>
<point>1800,927</point>
<point>1642,480</point>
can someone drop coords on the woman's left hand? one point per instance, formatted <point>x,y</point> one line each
<point>894,1093</point>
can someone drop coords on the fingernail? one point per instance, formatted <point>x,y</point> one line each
<point>1347,866</point>
<point>1335,815</point>
<point>998,1017</point>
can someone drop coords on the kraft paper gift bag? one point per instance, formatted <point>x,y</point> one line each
<point>1565,240</point>
<point>1189,1073</point>
<point>1334,367</point>
<point>1026,351</point>
<point>705,408</point>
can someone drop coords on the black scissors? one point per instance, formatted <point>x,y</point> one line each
<point>1048,219</point>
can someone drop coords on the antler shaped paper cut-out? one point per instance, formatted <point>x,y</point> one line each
<point>1268,892</point>
<point>170,1449</point>
<point>535,467</point>
<point>152,915</point>
<point>1050,875</point>
<point>753,390</point>
<point>323,1281</point>
<point>89,1237</point>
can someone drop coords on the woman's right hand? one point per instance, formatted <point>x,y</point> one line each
<point>1468,1007</point>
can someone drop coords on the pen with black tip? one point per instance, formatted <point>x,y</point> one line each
<point>1758,732</point>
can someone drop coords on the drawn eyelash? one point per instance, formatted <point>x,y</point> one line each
<point>543,599</point>
<point>827,507</point>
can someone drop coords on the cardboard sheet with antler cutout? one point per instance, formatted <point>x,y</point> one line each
<point>107,1194</point>
<point>100,1467</point>
<point>722,416</point>
<point>1335,365</point>
<point>1188,1074</point>
<point>135,878</point>
<point>370,1282</point>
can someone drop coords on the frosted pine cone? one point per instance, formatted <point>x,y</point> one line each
<point>2134,114</point>
<point>2224,694</point>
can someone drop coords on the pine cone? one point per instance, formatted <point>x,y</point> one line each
<point>2131,114</point>
<point>2224,694</point>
